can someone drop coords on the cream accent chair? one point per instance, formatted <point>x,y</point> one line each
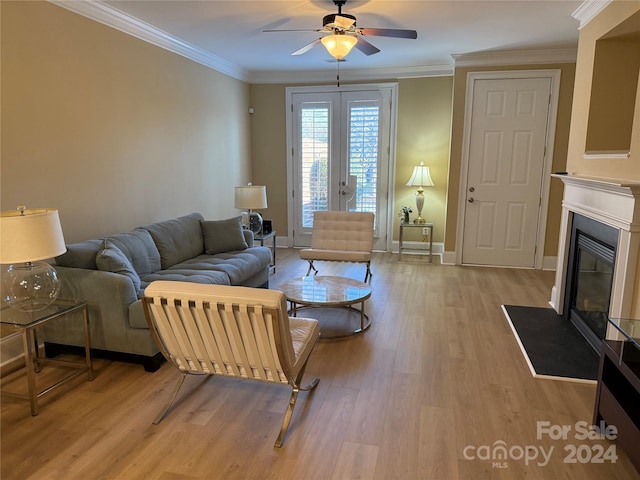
<point>235,331</point>
<point>341,237</point>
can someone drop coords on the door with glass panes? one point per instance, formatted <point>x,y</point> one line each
<point>341,148</point>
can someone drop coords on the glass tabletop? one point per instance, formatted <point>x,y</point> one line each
<point>629,327</point>
<point>325,291</point>
<point>16,318</point>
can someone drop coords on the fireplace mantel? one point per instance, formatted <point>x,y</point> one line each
<point>615,203</point>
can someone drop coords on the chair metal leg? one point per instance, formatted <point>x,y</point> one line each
<point>368,275</point>
<point>164,411</point>
<point>292,403</point>
<point>311,267</point>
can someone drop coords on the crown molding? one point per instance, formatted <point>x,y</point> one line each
<point>589,10</point>
<point>112,17</point>
<point>519,57</point>
<point>347,75</point>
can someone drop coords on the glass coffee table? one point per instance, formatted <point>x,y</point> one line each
<point>330,294</point>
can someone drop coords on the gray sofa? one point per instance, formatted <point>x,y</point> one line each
<point>111,274</point>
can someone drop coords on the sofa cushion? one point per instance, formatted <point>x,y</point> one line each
<point>238,266</point>
<point>223,235</point>
<point>177,239</point>
<point>111,259</point>
<point>187,275</point>
<point>138,246</point>
<point>81,255</point>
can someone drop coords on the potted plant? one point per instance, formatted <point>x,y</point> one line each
<point>404,213</point>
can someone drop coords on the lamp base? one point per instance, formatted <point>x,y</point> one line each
<point>30,287</point>
<point>255,223</point>
<point>419,221</point>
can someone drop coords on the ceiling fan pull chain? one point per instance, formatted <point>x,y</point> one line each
<point>338,77</point>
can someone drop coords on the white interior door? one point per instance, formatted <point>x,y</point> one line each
<point>507,140</point>
<point>341,154</point>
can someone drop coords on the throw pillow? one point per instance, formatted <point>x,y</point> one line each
<point>111,259</point>
<point>223,235</point>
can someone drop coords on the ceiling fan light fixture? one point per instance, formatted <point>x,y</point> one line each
<point>339,45</point>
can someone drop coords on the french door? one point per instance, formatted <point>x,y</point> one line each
<point>341,148</point>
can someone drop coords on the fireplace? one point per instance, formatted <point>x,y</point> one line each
<point>590,267</point>
<point>598,254</point>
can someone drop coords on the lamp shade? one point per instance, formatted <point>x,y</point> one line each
<point>29,235</point>
<point>251,197</point>
<point>420,177</point>
<point>339,46</point>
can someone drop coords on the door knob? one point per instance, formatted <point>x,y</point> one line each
<point>472,189</point>
<point>470,200</point>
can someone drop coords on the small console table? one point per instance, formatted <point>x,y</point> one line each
<point>428,227</point>
<point>618,393</point>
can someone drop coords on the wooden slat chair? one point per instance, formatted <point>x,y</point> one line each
<point>341,237</point>
<point>234,331</point>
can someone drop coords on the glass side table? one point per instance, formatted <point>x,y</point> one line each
<point>426,229</point>
<point>27,323</point>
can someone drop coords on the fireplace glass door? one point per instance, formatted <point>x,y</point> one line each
<point>590,277</point>
<point>593,289</point>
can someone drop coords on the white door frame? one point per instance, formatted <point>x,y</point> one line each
<point>472,77</point>
<point>393,120</point>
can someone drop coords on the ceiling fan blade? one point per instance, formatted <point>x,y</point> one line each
<point>344,22</point>
<point>365,47</point>
<point>307,47</point>
<point>295,30</point>
<point>388,32</point>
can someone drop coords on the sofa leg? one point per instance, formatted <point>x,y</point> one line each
<point>152,364</point>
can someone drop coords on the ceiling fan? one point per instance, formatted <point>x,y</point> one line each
<point>344,34</point>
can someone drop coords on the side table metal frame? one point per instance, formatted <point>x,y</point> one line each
<point>416,250</point>
<point>34,362</point>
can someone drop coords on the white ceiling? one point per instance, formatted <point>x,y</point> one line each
<point>231,32</point>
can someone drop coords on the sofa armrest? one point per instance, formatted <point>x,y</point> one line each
<point>96,286</point>
<point>109,296</point>
<point>248,236</point>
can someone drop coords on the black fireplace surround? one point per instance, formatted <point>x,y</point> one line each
<point>592,252</point>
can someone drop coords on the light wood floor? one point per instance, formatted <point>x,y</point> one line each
<point>438,371</point>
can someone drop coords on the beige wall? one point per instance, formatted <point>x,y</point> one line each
<point>112,131</point>
<point>615,15</point>
<point>424,134</point>
<point>269,151</point>
<point>424,115</point>
<point>567,77</point>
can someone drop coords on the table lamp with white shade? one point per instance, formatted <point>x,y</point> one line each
<point>28,236</point>
<point>420,178</point>
<point>252,197</point>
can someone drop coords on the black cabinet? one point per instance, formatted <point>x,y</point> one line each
<point>618,394</point>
